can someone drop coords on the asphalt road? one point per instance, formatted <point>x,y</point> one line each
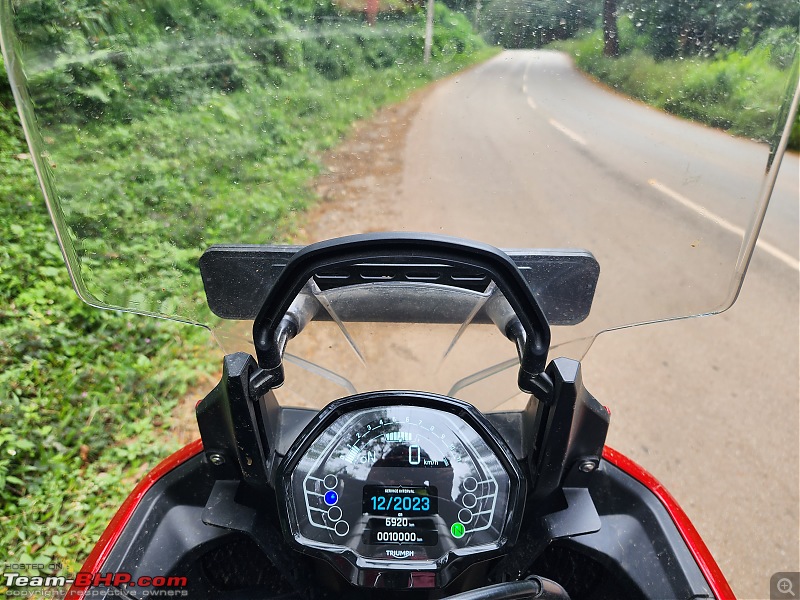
<point>526,151</point>
<point>523,151</point>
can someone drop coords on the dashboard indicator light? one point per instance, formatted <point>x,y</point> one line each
<point>457,529</point>
<point>341,528</point>
<point>331,498</point>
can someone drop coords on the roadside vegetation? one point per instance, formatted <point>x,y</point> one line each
<point>85,395</point>
<point>220,146</point>
<point>738,89</point>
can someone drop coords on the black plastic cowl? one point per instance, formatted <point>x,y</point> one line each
<point>532,588</point>
<point>231,424</point>
<point>572,432</point>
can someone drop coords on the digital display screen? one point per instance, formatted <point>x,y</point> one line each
<point>410,501</point>
<point>380,534</point>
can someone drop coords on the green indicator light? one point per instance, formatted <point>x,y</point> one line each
<point>457,529</point>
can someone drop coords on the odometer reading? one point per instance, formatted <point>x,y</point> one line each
<point>410,501</point>
<point>379,533</point>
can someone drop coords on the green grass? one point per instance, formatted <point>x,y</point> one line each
<point>740,91</point>
<point>86,396</point>
<point>239,175</point>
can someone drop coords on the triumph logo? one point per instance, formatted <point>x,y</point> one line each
<point>400,553</point>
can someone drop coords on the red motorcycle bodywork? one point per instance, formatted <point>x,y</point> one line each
<point>713,574</point>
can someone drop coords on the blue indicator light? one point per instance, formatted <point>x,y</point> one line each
<point>331,497</point>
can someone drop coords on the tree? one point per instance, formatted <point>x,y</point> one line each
<point>534,23</point>
<point>610,33</point>
<point>697,27</point>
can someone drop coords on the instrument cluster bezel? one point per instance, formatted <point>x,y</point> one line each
<point>400,574</point>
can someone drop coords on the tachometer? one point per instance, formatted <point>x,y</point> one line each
<point>401,485</point>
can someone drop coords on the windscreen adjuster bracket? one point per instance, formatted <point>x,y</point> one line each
<point>262,381</point>
<point>541,386</point>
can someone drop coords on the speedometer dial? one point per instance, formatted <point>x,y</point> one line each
<point>400,484</point>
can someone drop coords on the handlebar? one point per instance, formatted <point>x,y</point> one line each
<point>533,588</point>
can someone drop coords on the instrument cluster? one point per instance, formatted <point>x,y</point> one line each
<point>401,486</point>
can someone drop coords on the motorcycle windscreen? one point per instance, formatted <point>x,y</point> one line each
<point>159,129</point>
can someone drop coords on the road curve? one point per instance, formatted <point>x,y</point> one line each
<point>524,151</point>
<point>711,405</point>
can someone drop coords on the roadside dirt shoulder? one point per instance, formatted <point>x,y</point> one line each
<point>359,187</point>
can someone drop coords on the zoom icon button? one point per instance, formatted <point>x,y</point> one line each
<point>784,585</point>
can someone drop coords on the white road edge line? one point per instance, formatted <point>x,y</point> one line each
<point>531,103</point>
<point>568,132</point>
<point>782,256</point>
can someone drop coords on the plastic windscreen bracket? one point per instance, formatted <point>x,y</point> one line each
<point>238,278</point>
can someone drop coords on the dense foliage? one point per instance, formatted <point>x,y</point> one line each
<point>669,29</point>
<point>122,61</point>
<point>142,144</point>
<point>534,23</point>
<point>664,28</point>
<point>740,89</point>
<point>85,395</point>
<point>206,115</point>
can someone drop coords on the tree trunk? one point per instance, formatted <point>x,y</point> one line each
<point>426,52</point>
<point>371,12</point>
<point>610,36</point>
